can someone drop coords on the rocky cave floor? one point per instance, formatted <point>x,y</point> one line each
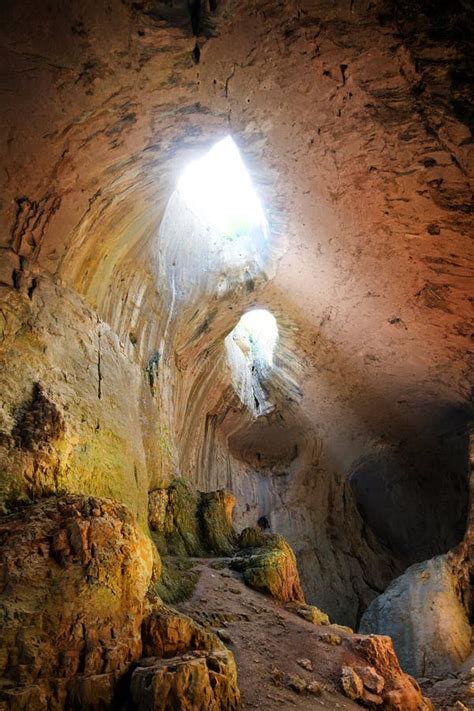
<point>278,652</point>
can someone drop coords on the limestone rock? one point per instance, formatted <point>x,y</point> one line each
<point>422,613</point>
<point>172,515</point>
<point>74,574</point>
<point>270,567</point>
<point>313,614</point>
<point>186,666</point>
<point>351,683</point>
<point>167,633</point>
<point>188,522</point>
<point>215,512</point>
<point>203,681</point>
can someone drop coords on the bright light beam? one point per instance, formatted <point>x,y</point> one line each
<point>217,187</point>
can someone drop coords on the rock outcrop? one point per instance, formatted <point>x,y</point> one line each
<point>423,614</point>
<point>186,667</point>
<point>380,682</point>
<point>186,522</point>
<point>268,564</point>
<point>74,575</point>
<point>197,681</point>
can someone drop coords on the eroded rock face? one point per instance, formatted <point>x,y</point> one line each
<point>74,575</point>
<point>422,612</point>
<point>189,522</point>
<point>167,633</point>
<point>186,667</point>
<point>197,681</point>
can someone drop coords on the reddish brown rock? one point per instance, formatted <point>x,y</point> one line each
<point>383,676</point>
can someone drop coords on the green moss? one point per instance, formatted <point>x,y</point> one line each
<point>177,581</point>
<point>215,515</point>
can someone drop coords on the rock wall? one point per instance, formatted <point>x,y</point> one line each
<point>347,122</point>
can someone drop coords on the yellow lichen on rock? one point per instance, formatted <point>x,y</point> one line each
<point>269,564</point>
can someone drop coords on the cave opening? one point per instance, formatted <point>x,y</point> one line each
<point>218,189</point>
<point>250,349</point>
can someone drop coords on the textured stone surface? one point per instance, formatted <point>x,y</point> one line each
<point>423,614</point>
<point>198,681</point>
<point>269,567</point>
<point>184,667</point>
<point>216,510</point>
<point>69,416</point>
<point>167,633</point>
<point>74,574</point>
<point>397,690</point>
<point>189,522</point>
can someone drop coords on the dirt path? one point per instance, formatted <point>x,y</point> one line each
<point>267,638</point>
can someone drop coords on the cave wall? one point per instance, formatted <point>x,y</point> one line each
<point>346,119</point>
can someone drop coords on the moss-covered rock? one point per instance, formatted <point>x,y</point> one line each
<point>215,513</point>
<point>313,614</point>
<point>177,580</point>
<point>173,519</point>
<point>269,566</point>
<point>252,537</point>
<point>186,522</point>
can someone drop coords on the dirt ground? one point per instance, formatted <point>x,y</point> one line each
<point>267,639</point>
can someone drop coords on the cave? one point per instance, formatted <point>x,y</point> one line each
<point>236,439</point>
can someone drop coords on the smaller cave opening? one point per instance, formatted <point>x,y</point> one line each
<point>250,348</point>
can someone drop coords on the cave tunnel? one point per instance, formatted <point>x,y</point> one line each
<point>236,355</point>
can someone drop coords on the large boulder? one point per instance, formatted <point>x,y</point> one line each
<point>215,513</point>
<point>423,614</point>
<point>74,572</point>
<point>186,667</point>
<point>268,564</point>
<point>199,681</point>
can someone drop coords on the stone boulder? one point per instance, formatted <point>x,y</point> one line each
<point>74,572</point>
<point>268,564</point>
<point>422,613</point>
<point>168,633</point>
<point>198,681</point>
<point>215,513</point>
<point>187,668</point>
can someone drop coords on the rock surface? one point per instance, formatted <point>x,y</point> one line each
<point>198,681</point>
<point>281,658</point>
<point>73,580</point>
<point>186,522</point>
<point>269,566</point>
<point>422,612</point>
